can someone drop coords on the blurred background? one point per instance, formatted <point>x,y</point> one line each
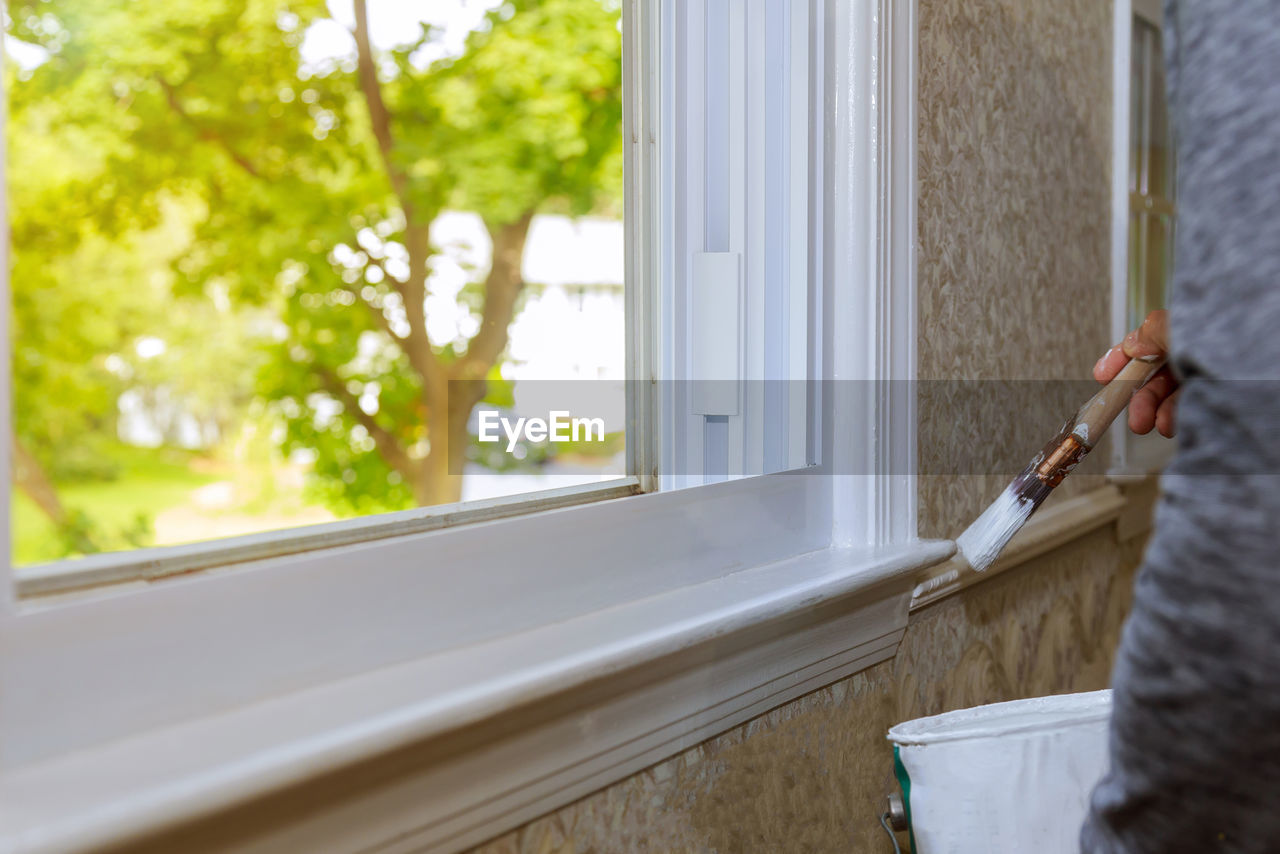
<point>254,241</point>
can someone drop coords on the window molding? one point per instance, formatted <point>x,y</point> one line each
<point>153,564</point>
<point>646,206</point>
<point>1130,454</point>
<point>242,635</point>
<point>870,268</point>
<point>530,721</point>
<point>743,125</point>
<point>1122,38</point>
<point>771,586</point>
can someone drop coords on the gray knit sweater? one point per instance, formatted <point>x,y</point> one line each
<point>1195,736</point>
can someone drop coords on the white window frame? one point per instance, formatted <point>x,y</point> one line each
<point>635,627</point>
<point>1131,455</point>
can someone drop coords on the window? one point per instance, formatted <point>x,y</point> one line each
<point>341,261</point>
<point>1144,199</point>
<point>769,200</point>
<point>262,255</point>
<point>1152,205</point>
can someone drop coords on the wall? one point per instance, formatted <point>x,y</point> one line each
<point>1014,164</point>
<point>1014,238</point>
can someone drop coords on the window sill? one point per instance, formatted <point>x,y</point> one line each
<point>474,741</point>
<point>71,577</point>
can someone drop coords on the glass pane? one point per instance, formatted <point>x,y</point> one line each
<point>1159,154</point>
<point>1137,267</point>
<point>1151,171</point>
<point>244,272</point>
<point>1137,100</point>
<point>1159,251</point>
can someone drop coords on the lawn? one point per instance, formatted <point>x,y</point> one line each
<point>150,480</point>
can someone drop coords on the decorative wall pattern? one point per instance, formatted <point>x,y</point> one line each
<point>1014,237</point>
<point>1014,167</point>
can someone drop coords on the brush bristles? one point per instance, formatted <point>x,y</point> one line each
<point>983,541</point>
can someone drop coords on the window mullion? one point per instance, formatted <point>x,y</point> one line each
<point>747,147</point>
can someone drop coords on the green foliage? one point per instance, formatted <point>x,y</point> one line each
<point>531,112</point>
<point>176,171</point>
<point>114,514</point>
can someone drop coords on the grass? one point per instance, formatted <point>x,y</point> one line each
<point>150,480</point>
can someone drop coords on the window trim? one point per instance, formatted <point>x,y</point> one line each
<point>255,638</point>
<point>539,720</point>
<point>1130,454</point>
<point>153,564</point>
<point>870,426</point>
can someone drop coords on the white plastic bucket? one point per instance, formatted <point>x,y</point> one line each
<point>1008,778</point>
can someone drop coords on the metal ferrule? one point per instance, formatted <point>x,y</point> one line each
<point>1063,453</point>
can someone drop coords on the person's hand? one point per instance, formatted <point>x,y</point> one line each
<point>1156,403</point>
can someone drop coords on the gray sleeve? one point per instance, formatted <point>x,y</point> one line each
<point>1195,733</point>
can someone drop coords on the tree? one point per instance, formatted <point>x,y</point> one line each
<point>319,186</point>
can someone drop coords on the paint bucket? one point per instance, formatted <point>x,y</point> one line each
<point>1007,778</point>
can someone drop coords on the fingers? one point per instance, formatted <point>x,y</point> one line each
<point>1166,415</point>
<point>1147,402</point>
<point>1149,339</point>
<point>1110,364</point>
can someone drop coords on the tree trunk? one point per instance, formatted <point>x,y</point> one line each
<point>30,477</point>
<point>441,477</point>
<point>449,404</point>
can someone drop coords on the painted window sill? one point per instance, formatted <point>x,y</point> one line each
<point>490,735</point>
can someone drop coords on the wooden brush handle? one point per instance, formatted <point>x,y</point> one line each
<point>1096,416</point>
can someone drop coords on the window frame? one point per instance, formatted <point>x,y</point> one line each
<point>261,632</point>
<point>1131,455</point>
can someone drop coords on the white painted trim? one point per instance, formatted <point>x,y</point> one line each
<point>870,270</point>
<point>290,623</point>
<point>530,720</point>
<point>801,339</point>
<point>900,516</point>
<point>739,453</point>
<point>644,203</point>
<point>153,564</point>
<point>1122,40</point>
<point>746,144</point>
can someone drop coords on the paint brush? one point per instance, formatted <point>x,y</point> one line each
<point>983,541</point>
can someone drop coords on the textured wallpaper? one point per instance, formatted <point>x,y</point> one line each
<point>1014,165</point>
<point>1014,238</point>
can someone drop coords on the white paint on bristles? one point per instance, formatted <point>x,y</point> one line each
<point>982,542</point>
